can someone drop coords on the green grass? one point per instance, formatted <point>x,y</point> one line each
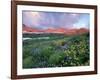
<point>43,53</point>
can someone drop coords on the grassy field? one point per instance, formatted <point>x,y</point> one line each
<point>55,50</point>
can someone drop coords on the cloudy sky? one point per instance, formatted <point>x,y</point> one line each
<point>45,20</point>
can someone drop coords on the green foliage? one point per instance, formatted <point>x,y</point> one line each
<point>56,58</point>
<point>58,51</point>
<point>27,62</point>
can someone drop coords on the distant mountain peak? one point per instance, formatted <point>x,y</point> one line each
<point>66,31</point>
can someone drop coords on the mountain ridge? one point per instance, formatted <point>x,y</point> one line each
<point>71,31</point>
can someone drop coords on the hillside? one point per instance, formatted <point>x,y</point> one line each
<point>66,31</point>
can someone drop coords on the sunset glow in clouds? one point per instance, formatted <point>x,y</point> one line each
<point>45,20</point>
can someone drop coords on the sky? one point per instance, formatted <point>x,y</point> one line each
<point>45,20</point>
